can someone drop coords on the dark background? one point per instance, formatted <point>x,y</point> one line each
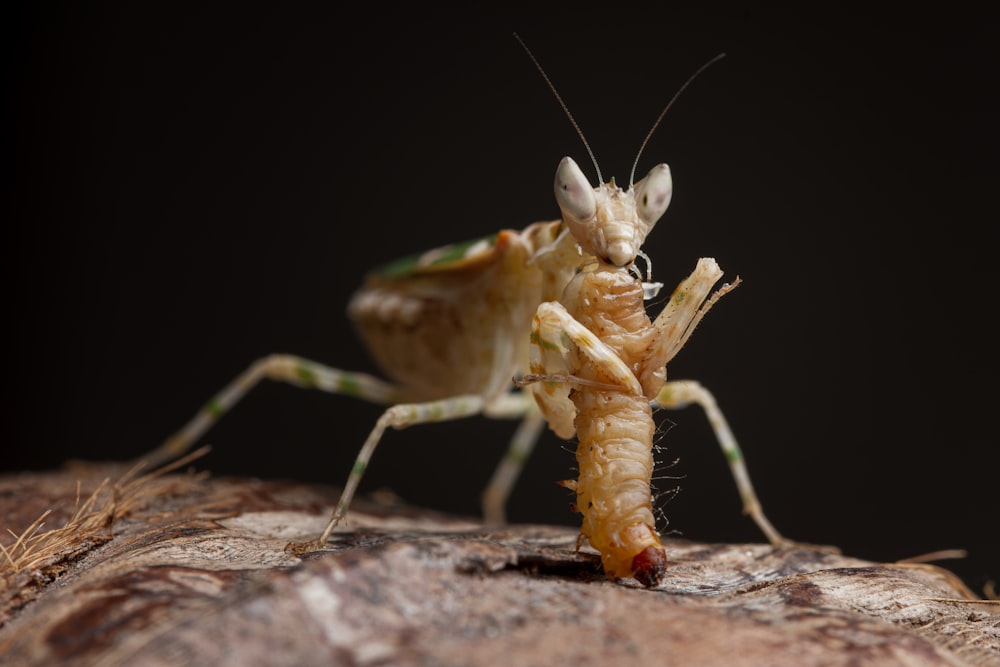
<point>188,192</point>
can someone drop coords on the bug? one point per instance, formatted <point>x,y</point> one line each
<point>455,327</point>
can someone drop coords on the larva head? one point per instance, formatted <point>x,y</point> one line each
<point>606,221</point>
<point>649,565</point>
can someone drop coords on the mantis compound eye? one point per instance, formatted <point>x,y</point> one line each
<point>573,192</point>
<point>652,194</point>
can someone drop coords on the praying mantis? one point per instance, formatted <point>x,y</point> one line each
<point>546,325</point>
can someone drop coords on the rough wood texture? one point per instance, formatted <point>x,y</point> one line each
<point>185,569</point>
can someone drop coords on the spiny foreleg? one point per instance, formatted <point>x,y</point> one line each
<point>559,344</point>
<point>677,321</point>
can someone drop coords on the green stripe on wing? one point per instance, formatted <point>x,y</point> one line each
<point>439,259</point>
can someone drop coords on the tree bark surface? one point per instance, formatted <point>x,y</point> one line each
<point>187,569</point>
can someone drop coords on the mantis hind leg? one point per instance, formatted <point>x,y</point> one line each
<point>309,374</point>
<point>494,498</point>
<point>282,367</point>
<point>496,493</point>
<point>397,416</point>
<point>681,393</point>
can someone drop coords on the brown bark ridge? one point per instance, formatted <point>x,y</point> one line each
<point>189,569</point>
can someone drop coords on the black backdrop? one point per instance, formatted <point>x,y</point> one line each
<point>188,192</point>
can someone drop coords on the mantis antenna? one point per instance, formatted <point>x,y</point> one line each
<point>576,125</point>
<point>665,109</point>
<point>565,108</point>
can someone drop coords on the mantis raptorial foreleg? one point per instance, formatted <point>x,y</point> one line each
<point>678,394</point>
<point>554,323</point>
